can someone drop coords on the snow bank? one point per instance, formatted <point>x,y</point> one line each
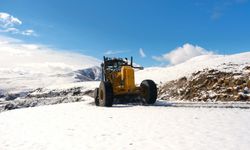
<point>164,74</point>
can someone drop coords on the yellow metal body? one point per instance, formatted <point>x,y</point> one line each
<point>123,81</point>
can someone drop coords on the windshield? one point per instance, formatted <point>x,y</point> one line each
<point>115,64</point>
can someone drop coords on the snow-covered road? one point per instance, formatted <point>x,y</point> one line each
<point>78,126</point>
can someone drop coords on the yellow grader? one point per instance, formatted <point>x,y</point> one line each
<point>118,84</point>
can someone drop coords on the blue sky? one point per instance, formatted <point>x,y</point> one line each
<point>95,27</point>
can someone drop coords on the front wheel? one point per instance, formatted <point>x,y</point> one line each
<point>148,91</point>
<point>105,94</point>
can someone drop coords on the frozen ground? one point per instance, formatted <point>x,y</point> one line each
<point>81,125</point>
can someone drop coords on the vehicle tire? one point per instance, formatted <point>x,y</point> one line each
<point>96,93</point>
<point>105,94</point>
<point>148,91</point>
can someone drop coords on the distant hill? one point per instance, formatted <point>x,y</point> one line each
<point>204,78</point>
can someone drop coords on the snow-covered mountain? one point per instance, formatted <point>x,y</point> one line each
<point>25,67</point>
<point>218,62</point>
<point>203,78</point>
<point>88,74</point>
<point>21,85</point>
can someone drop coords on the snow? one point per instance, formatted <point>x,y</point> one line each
<point>87,84</point>
<point>220,62</point>
<point>25,67</point>
<point>84,126</point>
<point>81,125</point>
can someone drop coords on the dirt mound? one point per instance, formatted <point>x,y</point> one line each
<point>209,85</point>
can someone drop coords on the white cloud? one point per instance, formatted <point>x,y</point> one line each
<point>8,24</point>
<point>182,54</point>
<point>142,53</point>
<point>16,55</point>
<point>113,52</point>
<point>6,20</point>
<point>10,30</point>
<point>29,32</point>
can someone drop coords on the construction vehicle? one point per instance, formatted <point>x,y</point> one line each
<point>118,84</point>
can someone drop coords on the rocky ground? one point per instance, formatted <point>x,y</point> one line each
<point>210,85</point>
<point>41,96</point>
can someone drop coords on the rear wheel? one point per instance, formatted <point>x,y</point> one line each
<point>148,91</point>
<point>96,94</point>
<point>105,94</point>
